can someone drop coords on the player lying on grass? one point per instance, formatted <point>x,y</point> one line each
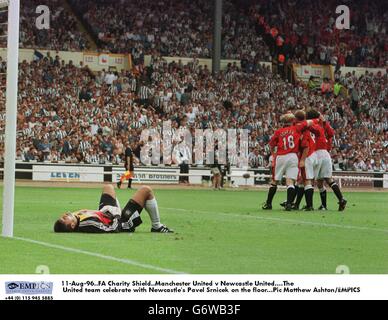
<point>109,218</point>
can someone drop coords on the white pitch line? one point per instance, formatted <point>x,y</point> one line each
<point>101,256</point>
<point>288,221</point>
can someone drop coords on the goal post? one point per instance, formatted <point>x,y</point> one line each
<point>11,114</point>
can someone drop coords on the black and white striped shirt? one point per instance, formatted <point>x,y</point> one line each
<point>94,158</point>
<point>61,134</point>
<point>196,95</point>
<point>84,146</point>
<point>27,132</point>
<point>136,124</point>
<point>145,93</point>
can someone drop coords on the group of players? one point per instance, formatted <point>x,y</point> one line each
<point>300,152</point>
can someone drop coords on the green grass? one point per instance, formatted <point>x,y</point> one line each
<point>216,233</point>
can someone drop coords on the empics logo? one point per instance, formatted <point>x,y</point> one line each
<point>29,288</point>
<point>343,21</point>
<point>13,286</point>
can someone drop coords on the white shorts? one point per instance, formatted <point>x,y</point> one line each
<point>311,166</point>
<point>286,165</point>
<point>325,165</point>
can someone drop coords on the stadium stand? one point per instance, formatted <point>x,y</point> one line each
<point>305,31</point>
<point>70,114</point>
<point>184,29</point>
<point>179,29</point>
<point>62,35</point>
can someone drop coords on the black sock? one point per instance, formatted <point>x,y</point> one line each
<point>309,196</point>
<point>296,193</point>
<point>130,183</point>
<point>271,194</point>
<point>337,190</point>
<point>324,198</point>
<point>129,210</point>
<point>290,195</point>
<point>300,195</point>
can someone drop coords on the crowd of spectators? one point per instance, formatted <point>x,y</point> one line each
<point>303,30</point>
<point>306,32</point>
<point>177,28</point>
<point>67,113</point>
<point>63,33</point>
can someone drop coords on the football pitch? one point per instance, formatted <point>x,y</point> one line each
<point>217,232</point>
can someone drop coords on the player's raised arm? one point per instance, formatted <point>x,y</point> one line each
<point>314,118</point>
<point>312,122</point>
<point>304,125</point>
<point>328,130</point>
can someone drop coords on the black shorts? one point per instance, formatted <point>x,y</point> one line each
<point>107,200</point>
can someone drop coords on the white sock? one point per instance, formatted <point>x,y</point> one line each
<point>151,207</point>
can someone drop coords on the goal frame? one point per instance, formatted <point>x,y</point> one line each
<point>11,116</point>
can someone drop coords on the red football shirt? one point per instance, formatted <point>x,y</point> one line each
<point>308,141</point>
<point>329,131</point>
<point>323,134</point>
<point>287,140</point>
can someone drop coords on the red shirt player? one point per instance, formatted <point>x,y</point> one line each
<point>287,142</point>
<point>324,135</point>
<point>329,131</point>
<point>308,148</point>
<point>308,163</point>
